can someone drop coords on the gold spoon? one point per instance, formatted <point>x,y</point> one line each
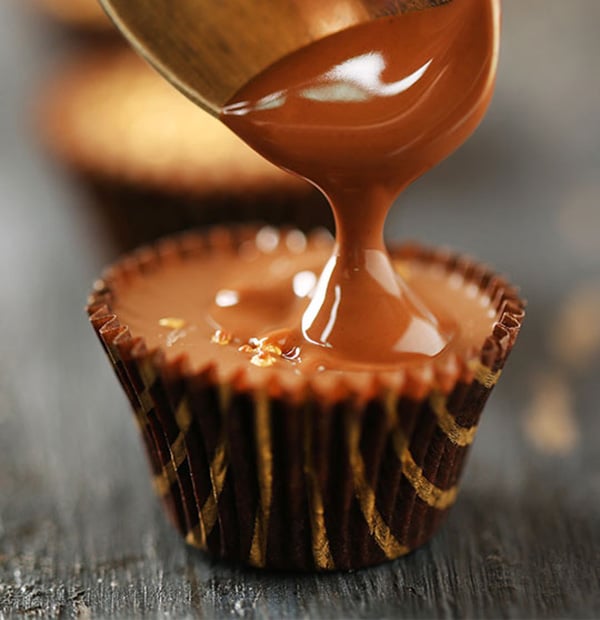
<point>209,49</point>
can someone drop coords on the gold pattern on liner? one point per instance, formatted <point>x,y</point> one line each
<point>378,528</point>
<point>161,485</point>
<point>172,322</point>
<point>459,435</point>
<point>148,374</point>
<point>196,538</point>
<point>484,375</point>
<point>431,494</point>
<point>427,491</point>
<point>262,431</point>
<point>218,473</point>
<point>168,475</point>
<point>209,513</point>
<point>183,416</point>
<point>165,479</point>
<point>199,533</point>
<point>320,543</point>
<point>146,401</point>
<point>178,451</point>
<point>149,378</point>
<point>178,456</point>
<point>218,468</point>
<point>160,482</point>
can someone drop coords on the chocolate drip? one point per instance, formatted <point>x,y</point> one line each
<point>361,114</point>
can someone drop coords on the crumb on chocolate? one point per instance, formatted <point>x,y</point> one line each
<point>221,337</point>
<point>172,323</point>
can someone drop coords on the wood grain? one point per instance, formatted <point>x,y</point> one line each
<point>211,49</point>
<point>81,533</point>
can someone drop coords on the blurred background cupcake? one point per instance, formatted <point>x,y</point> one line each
<point>155,162</point>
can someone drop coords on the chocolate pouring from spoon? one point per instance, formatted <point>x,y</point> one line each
<point>441,66</point>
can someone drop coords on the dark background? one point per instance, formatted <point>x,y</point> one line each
<point>80,530</point>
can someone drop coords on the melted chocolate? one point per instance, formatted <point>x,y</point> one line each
<point>361,114</point>
<point>269,291</point>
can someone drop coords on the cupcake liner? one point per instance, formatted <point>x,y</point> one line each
<point>134,214</point>
<point>129,373</point>
<point>313,479</point>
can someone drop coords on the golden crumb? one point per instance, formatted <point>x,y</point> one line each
<point>172,323</point>
<point>262,359</point>
<point>221,337</point>
<point>273,349</point>
<point>264,354</point>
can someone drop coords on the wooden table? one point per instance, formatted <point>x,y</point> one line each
<point>81,533</point>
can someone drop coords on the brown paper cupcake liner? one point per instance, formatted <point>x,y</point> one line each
<point>317,480</point>
<point>134,214</point>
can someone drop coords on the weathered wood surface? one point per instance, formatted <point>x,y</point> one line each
<point>81,533</point>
